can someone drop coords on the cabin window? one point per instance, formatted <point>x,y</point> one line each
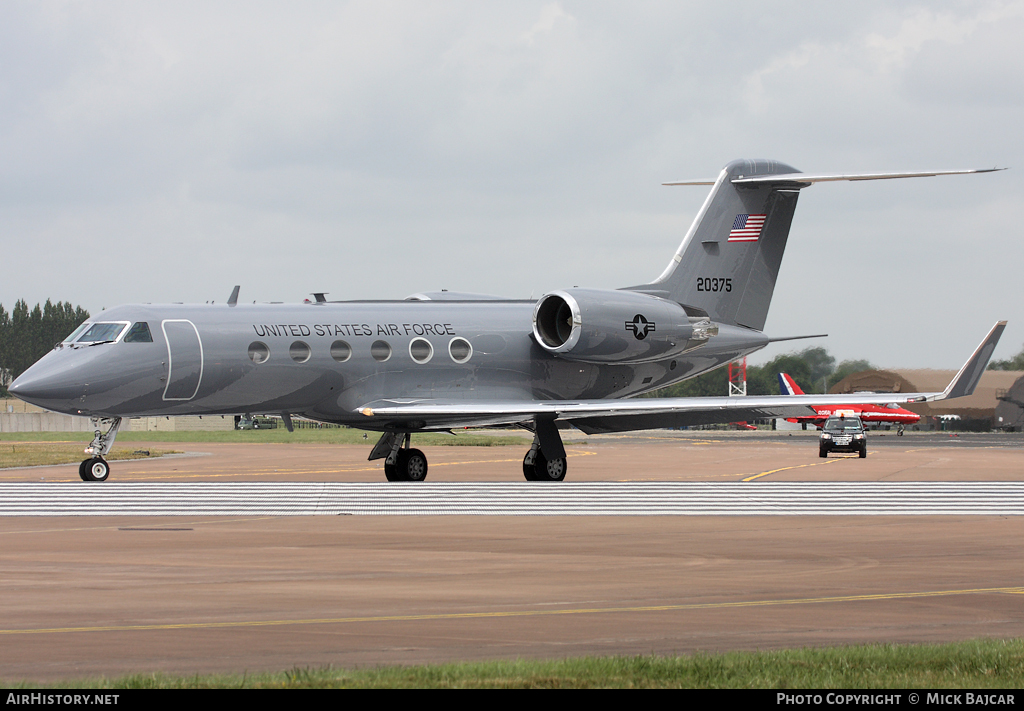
<point>380,350</point>
<point>420,350</point>
<point>460,350</point>
<point>102,333</point>
<point>341,351</point>
<point>139,333</point>
<point>299,352</point>
<point>259,352</point>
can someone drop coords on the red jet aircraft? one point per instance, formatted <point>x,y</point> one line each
<point>867,413</point>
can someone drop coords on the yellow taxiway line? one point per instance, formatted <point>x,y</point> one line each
<point>1017,590</point>
<point>795,466</point>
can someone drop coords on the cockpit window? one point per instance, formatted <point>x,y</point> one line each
<point>139,333</point>
<point>102,333</point>
<point>76,333</point>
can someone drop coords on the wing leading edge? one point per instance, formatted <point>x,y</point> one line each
<point>603,416</point>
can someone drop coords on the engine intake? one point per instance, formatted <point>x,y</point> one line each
<point>605,326</point>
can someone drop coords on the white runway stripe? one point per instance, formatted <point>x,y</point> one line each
<point>514,498</point>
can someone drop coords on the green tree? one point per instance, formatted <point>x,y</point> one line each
<point>764,380</point>
<point>849,367</point>
<point>814,370</point>
<point>1015,363</point>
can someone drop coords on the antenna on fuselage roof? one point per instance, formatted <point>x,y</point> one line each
<point>233,299</point>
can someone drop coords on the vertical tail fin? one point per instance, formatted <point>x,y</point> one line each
<point>730,257</point>
<point>729,260</point>
<point>788,386</point>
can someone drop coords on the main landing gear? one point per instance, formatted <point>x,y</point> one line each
<point>400,463</point>
<point>545,461</point>
<point>537,467</point>
<point>96,468</point>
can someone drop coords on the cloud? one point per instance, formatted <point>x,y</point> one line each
<point>378,149</point>
<point>549,15</point>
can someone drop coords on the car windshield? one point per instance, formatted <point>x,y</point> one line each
<point>843,423</point>
<point>102,332</point>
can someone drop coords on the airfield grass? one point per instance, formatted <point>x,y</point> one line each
<point>981,664</point>
<point>27,449</point>
<point>32,454</point>
<point>333,435</point>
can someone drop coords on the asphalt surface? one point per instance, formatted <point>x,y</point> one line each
<point>115,594</point>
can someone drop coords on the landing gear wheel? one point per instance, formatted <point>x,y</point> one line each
<point>549,469</point>
<point>95,469</point>
<point>412,464</point>
<point>529,470</point>
<point>391,472</point>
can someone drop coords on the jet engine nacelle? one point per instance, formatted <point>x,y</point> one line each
<point>604,326</point>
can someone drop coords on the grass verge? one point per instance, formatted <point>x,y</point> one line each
<point>973,664</point>
<point>32,454</point>
<point>279,436</point>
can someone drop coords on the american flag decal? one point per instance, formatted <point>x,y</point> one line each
<point>746,228</point>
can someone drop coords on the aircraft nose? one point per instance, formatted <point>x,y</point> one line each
<point>17,388</point>
<point>46,384</point>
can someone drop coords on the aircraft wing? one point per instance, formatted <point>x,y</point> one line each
<point>602,416</point>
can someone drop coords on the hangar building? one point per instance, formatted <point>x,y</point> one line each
<point>1010,410</point>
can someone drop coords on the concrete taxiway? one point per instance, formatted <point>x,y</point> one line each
<point>194,592</point>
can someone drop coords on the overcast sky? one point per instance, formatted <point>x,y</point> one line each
<point>155,152</point>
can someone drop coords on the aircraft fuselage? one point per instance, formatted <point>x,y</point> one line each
<point>327,360</point>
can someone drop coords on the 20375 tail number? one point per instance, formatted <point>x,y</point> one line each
<point>713,284</point>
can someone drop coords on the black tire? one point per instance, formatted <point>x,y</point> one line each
<point>412,464</point>
<point>863,452</point>
<point>529,470</point>
<point>391,472</point>
<point>549,469</point>
<point>822,452</point>
<point>95,469</point>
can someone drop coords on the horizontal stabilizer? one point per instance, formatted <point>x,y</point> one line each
<point>796,338</point>
<point>829,177</point>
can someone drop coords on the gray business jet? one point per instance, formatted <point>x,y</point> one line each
<point>436,361</point>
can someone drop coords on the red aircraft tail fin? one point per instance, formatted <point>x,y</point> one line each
<point>788,386</point>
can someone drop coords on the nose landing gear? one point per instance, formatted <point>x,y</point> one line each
<point>96,467</point>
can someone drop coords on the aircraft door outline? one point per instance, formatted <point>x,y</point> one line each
<point>182,338</point>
